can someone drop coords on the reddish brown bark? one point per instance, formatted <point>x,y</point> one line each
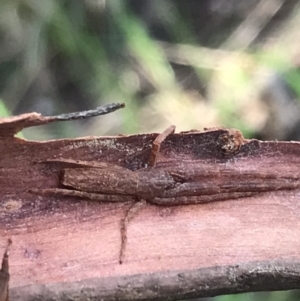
<point>66,248</point>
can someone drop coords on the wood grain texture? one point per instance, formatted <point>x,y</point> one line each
<point>67,249</point>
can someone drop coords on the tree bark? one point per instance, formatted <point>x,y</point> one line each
<point>67,248</point>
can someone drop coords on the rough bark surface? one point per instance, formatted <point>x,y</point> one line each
<point>67,248</point>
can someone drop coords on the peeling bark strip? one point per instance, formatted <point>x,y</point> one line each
<point>68,243</point>
<point>4,275</point>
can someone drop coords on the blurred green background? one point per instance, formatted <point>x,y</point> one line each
<point>190,63</point>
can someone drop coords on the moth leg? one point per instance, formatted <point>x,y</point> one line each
<point>84,195</point>
<point>4,275</point>
<point>157,143</point>
<point>130,214</point>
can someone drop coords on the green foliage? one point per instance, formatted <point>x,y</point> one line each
<point>106,51</point>
<point>3,111</point>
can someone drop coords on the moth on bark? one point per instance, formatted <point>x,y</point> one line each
<point>191,182</point>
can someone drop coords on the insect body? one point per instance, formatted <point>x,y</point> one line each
<point>144,183</point>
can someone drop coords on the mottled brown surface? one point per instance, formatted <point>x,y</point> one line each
<point>65,249</point>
